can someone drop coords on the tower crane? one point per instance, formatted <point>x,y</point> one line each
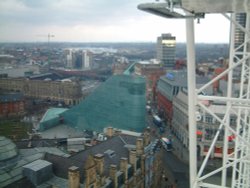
<point>48,36</point>
<point>236,164</point>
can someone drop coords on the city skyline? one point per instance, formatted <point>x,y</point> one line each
<point>88,21</point>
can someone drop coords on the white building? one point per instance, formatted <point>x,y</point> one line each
<point>207,126</point>
<point>87,59</point>
<point>69,58</point>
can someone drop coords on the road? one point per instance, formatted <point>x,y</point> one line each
<point>176,172</point>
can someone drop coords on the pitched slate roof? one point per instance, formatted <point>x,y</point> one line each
<point>115,144</point>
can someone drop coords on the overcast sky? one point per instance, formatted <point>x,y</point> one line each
<point>97,21</point>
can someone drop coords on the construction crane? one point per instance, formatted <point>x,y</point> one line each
<point>48,36</point>
<point>237,163</point>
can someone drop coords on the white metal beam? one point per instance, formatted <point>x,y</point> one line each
<point>191,101</point>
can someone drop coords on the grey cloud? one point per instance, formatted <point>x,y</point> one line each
<point>38,3</point>
<point>71,12</point>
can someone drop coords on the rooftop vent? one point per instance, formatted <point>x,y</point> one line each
<point>38,171</point>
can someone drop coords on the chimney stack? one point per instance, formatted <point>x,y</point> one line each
<point>146,138</point>
<point>112,174</point>
<point>99,159</point>
<point>132,158</point>
<point>110,131</point>
<point>74,177</point>
<point>124,166</point>
<point>139,146</point>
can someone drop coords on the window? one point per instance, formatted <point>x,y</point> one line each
<point>218,150</point>
<point>206,148</point>
<point>221,135</point>
<point>230,150</point>
<point>232,120</point>
<point>208,119</point>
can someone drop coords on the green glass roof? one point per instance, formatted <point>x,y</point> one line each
<point>7,149</point>
<point>119,102</point>
<point>51,118</point>
<point>52,113</point>
<point>130,69</point>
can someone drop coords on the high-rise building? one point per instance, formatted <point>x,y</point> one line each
<point>69,59</point>
<point>239,38</point>
<point>87,60</point>
<point>239,34</point>
<point>165,52</point>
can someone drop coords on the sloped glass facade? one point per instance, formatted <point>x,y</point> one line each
<point>51,118</point>
<point>119,102</point>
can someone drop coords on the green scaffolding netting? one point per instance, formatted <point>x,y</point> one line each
<point>119,102</point>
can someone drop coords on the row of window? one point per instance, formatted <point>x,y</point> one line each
<point>218,149</point>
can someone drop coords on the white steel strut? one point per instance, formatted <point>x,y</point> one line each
<point>235,165</point>
<point>235,169</point>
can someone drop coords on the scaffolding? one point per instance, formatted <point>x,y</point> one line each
<point>237,163</point>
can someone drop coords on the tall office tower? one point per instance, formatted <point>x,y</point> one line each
<point>69,58</point>
<point>239,38</point>
<point>239,34</point>
<point>165,52</point>
<point>87,57</point>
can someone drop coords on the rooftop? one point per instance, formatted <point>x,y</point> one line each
<point>8,149</point>
<point>115,145</point>
<point>61,131</point>
<point>179,78</point>
<point>52,113</point>
<point>37,165</point>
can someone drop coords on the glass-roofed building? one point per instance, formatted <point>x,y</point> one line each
<point>119,102</point>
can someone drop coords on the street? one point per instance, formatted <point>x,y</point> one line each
<point>176,171</point>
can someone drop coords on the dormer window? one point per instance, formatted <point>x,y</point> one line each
<point>110,153</point>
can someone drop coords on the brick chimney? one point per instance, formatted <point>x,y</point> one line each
<point>110,131</point>
<point>146,138</point>
<point>124,166</point>
<point>139,146</point>
<point>99,159</point>
<point>74,177</point>
<point>132,158</point>
<point>112,174</point>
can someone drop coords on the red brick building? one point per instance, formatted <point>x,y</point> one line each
<point>11,104</point>
<point>152,73</point>
<point>165,106</point>
<point>169,86</point>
